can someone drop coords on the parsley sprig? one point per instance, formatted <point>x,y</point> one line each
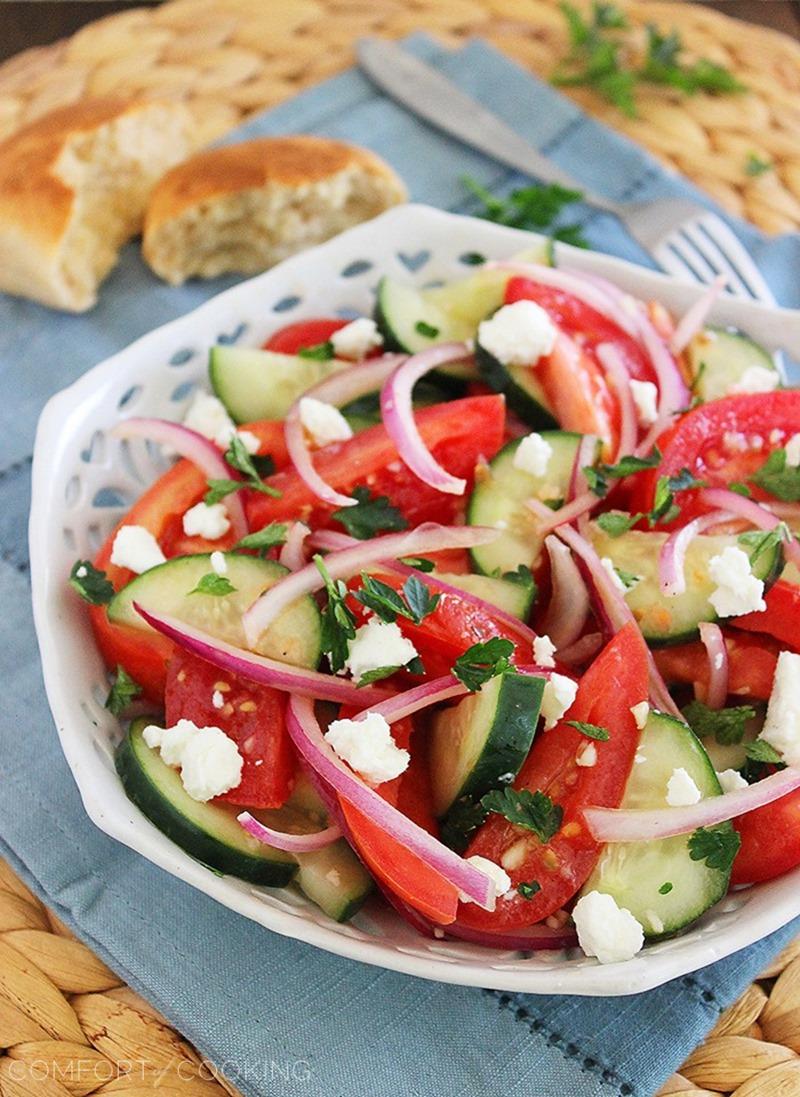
<point>717,846</point>
<point>591,731</point>
<point>264,539</point>
<point>218,586</point>
<point>537,208</point>
<point>779,479</point>
<point>484,661</point>
<point>533,811</point>
<point>90,583</point>
<point>124,689</point>
<point>415,602</point>
<point>598,476</point>
<point>239,459</point>
<point>726,725</point>
<point>338,620</point>
<point>372,514</point>
<point>318,352</point>
<point>759,541</point>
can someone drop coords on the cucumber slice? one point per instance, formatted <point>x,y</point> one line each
<point>295,637</point>
<point>521,387</point>
<point>480,743</point>
<point>262,384</point>
<point>514,597</point>
<point>499,498</point>
<point>635,872</point>
<point>719,356</point>
<point>666,620</point>
<point>334,879</point>
<point>209,832</point>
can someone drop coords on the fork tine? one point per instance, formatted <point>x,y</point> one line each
<point>730,245</point>
<point>682,246</point>
<point>716,257</point>
<point>669,261</point>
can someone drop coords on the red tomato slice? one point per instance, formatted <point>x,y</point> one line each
<point>304,333</point>
<point>253,716</point>
<point>770,841</point>
<point>751,663</point>
<point>458,434</point>
<point>723,442</point>
<point>781,618</point>
<point>615,681</point>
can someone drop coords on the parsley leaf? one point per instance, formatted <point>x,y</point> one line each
<point>615,522</point>
<point>220,489</point>
<point>483,661</point>
<point>426,329</point>
<point>338,621</point>
<point>528,889</point>
<point>372,514</point>
<point>531,810</point>
<point>318,352</point>
<point>264,539</point>
<point>124,689</point>
<point>415,603</point>
<point>762,751</point>
<point>536,207</point>
<point>419,563</point>
<point>664,505</point>
<point>419,598</point>
<point>740,489</point>
<point>216,585</point>
<point>91,583</point>
<point>779,479</point>
<point>377,674</point>
<point>238,458</point>
<point>727,725</point>
<point>591,731</point>
<point>717,846</point>
<point>597,476</point>
<point>759,541</point>
<point>665,888</point>
<point>522,577</point>
<point>755,166</point>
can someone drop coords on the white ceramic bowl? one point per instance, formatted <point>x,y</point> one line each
<point>83,480</point>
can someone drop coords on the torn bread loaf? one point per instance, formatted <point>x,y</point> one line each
<point>73,189</point>
<point>245,207</point>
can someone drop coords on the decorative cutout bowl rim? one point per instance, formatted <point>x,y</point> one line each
<point>405,241</point>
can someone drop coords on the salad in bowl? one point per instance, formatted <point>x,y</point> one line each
<point>485,602</point>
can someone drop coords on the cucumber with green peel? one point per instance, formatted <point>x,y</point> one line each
<point>718,357</point>
<point>294,637</point>
<point>514,596</point>
<point>334,879</point>
<point>674,620</point>
<point>521,387</point>
<point>499,500</point>
<point>657,881</point>
<point>263,384</point>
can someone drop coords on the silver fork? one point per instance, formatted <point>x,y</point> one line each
<point>684,238</point>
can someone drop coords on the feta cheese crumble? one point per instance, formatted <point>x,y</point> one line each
<point>681,789</point>
<point>209,417</point>
<point>738,590</point>
<point>368,747</point>
<point>645,398</point>
<point>209,760</point>
<point>558,694</point>
<point>640,713</point>
<point>217,700</point>
<point>324,422</point>
<point>782,725</point>
<point>792,448</point>
<point>543,651</point>
<point>605,930</point>
<point>137,549</point>
<point>518,334</point>
<point>210,522</point>
<point>378,644</point>
<point>356,339</point>
<point>587,756</point>
<point>608,564</point>
<point>730,780</point>
<point>218,563</point>
<point>498,876</point>
<point>533,454</point>
<point>756,379</point>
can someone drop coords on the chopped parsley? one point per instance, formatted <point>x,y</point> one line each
<point>759,541</point>
<point>627,578</point>
<point>779,479</point>
<point>533,811</point>
<point>665,888</point>
<point>238,458</point>
<point>740,489</point>
<point>484,661</point>
<point>522,577</point>
<point>264,539</point>
<point>426,329</point>
<point>591,731</point>
<point>665,509</point>
<point>372,514</point>
<point>338,621</point>
<point>536,207</point>
<point>726,725</point>
<point>717,846</point>
<point>318,352</point>
<point>91,583</point>
<point>528,889</point>
<point>762,751</point>
<point>415,602</point>
<point>216,585</point>
<point>616,522</point>
<point>598,476</point>
<point>124,689</point>
<point>377,675</point>
<point>754,165</point>
<point>419,563</point>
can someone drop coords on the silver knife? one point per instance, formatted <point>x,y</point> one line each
<point>433,97</point>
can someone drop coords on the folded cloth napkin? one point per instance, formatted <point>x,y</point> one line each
<point>278,1016</point>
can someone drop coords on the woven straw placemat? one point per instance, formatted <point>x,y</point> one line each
<point>233,58</point>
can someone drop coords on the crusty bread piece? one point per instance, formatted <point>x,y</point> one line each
<point>73,188</point>
<point>245,207</point>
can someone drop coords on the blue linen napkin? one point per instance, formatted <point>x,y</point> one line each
<point>278,1016</point>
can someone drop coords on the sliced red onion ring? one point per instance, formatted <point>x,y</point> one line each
<point>195,448</point>
<point>310,743</point>
<point>292,555</point>
<point>582,650</point>
<point>672,557</point>
<point>281,839</point>
<point>535,939</point>
<point>584,455</point>
<point>713,641</point>
<point>754,513</point>
<point>610,360</point>
<point>397,410</point>
<point>268,672</point>
<point>428,537</point>
<point>623,825</point>
<point>550,520</point>
<point>569,598</point>
<point>340,388</point>
<point>695,316</point>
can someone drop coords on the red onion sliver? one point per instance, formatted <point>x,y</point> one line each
<point>610,360</point>
<point>695,316</point>
<point>584,455</point>
<point>623,825</point>
<point>340,388</point>
<point>397,410</point>
<point>195,448</point>
<point>714,643</point>
<point>752,512</point>
<point>582,650</point>
<point>550,520</point>
<point>428,537</point>
<point>268,672</point>
<point>569,598</point>
<point>418,698</point>
<point>535,939</point>
<point>292,555</point>
<point>310,743</point>
<point>290,843</point>
<point>672,557</point>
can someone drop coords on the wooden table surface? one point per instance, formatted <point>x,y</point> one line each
<point>25,23</point>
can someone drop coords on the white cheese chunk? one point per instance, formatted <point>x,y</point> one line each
<point>756,379</point>
<point>605,930</point>
<point>543,651</point>
<point>782,725</point>
<point>738,590</point>
<point>558,694</point>
<point>608,564</point>
<point>518,334</point>
<point>498,876</point>
<point>368,747</point>
<point>378,644</point>
<point>217,700</point>
<point>640,713</point>
<point>324,422</point>
<point>587,756</point>
<point>730,780</point>
<point>533,454</point>
<point>210,522</point>
<point>356,339</point>
<point>209,760</point>
<point>218,563</point>
<point>792,448</point>
<point>645,399</point>
<point>681,789</point>
<point>208,416</point>
<point>137,549</point>
<point>250,441</point>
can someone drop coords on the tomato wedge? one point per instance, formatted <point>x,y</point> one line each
<point>751,664</point>
<point>616,680</point>
<point>781,618</point>
<point>253,716</point>
<point>458,434</point>
<point>770,841</point>
<point>304,333</point>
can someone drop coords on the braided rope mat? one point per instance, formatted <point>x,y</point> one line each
<point>233,58</point>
